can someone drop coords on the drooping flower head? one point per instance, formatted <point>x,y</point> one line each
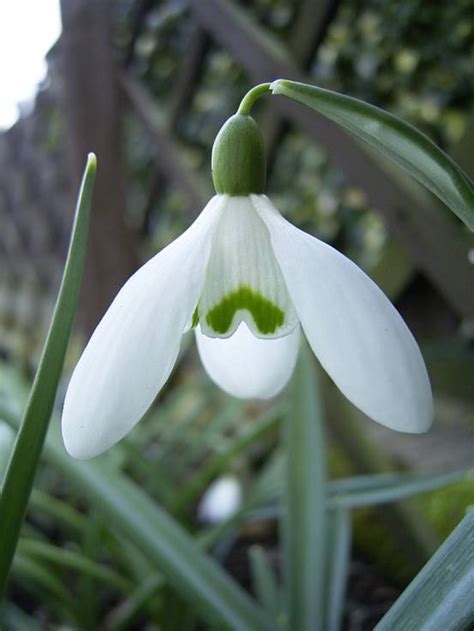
<point>248,282</point>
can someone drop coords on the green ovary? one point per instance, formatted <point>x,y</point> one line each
<point>266,315</point>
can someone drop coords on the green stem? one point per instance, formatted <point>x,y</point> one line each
<point>21,469</point>
<point>250,98</point>
<point>303,519</point>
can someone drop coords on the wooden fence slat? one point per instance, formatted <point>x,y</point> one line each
<point>90,98</point>
<point>431,236</point>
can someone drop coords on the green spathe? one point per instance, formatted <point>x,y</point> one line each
<point>238,157</point>
<point>266,315</point>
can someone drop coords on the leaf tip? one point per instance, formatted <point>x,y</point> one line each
<point>91,161</point>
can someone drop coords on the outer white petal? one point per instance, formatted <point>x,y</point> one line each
<point>246,366</point>
<point>356,333</point>
<point>133,349</point>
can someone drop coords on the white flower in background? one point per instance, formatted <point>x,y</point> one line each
<point>221,500</point>
<point>248,281</point>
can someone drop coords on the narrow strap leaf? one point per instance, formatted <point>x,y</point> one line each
<point>23,463</point>
<point>303,524</point>
<point>380,489</point>
<point>339,537</point>
<point>397,140</point>
<point>264,583</point>
<point>40,550</point>
<point>441,596</point>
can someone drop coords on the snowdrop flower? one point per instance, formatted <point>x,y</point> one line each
<point>249,283</point>
<point>221,500</point>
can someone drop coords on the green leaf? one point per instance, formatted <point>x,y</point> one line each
<point>303,524</point>
<point>264,582</point>
<point>125,612</point>
<point>34,549</point>
<point>133,515</point>
<point>441,596</point>
<point>398,140</point>
<point>23,463</point>
<point>58,510</point>
<point>337,565</point>
<point>379,489</point>
<point>47,584</point>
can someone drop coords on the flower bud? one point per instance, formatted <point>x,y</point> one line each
<point>238,157</point>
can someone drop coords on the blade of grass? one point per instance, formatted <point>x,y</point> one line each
<point>264,582</point>
<point>46,584</point>
<point>57,510</point>
<point>304,501</point>
<point>390,488</point>
<point>140,569</point>
<point>441,596</point>
<point>31,548</point>
<point>91,544</point>
<point>21,470</point>
<point>337,568</point>
<point>122,616</point>
<point>394,138</point>
<point>362,490</point>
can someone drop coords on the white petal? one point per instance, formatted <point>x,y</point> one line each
<point>133,349</point>
<point>357,335</point>
<point>243,281</point>
<point>246,366</point>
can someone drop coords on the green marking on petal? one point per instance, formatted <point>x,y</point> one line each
<point>266,315</point>
<point>195,320</point>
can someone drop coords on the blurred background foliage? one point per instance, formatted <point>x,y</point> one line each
<point>410,57</point>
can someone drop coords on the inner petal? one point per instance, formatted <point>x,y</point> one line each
<point>243,281</point>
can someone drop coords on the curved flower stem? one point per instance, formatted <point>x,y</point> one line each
<point>250,98</point>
